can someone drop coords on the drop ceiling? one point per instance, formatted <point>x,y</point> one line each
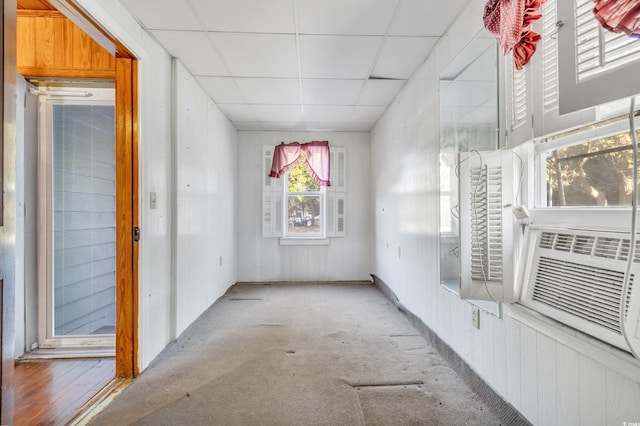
<point>319,65</point>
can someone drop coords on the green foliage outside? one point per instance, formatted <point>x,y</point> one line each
<point>596,173</point>
<point>302,206</point>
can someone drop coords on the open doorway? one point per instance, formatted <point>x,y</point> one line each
<point>86,255</point>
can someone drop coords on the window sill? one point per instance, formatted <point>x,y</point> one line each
<point>304,241</point>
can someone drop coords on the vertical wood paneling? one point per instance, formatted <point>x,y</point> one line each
<point>82,51</point>
<point>513,362</point>
<point>50,45</point>
<point>45,47</point>
<point>27,40</point>
<point>593,388</point>
<point>547,377</point>
<point>623,399</point>
<point>487,322</point>
<point>528,373</point>
<point>568,385</point>
<point>500,355</point>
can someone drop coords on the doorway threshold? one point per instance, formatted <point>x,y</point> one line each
<point>62,353</point>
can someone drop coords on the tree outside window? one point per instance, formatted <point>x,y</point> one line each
<point>304,201</point>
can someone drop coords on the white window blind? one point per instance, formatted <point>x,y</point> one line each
<point>595,65</point>
<point>519,101</point>
<point>271,198</point>
<point>545,68</point>
<point>335,196</point>
<point>549,47</point>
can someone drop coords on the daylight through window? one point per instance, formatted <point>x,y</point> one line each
<point>304,202</point>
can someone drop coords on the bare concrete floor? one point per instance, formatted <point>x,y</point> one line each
<point>299,354</point>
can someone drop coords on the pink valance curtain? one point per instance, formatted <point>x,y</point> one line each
<point>318,161</point>
<point>619,16</point>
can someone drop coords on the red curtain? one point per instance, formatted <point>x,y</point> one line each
<point>317,162</point>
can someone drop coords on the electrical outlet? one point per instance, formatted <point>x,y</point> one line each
<point>475,318</point>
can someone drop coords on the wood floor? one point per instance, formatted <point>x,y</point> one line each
<point>50,392</point>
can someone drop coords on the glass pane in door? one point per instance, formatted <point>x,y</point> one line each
<point>84,220</point>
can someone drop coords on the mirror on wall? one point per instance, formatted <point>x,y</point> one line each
<point>468,121</point>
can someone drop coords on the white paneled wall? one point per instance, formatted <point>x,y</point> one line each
<point>164,302</point>
<point>205,162</point>
<point>547,372</point>
<point>264,259</point>
<point>155,323</point>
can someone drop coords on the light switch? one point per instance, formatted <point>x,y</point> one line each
<point>153,200</point>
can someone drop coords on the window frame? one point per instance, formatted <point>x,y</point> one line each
<point>47,338</point>
<point>335,201</point>
<point>611,218</point>
<point>286,235</point>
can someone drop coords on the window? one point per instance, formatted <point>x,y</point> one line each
<point>595,65</point>
<point>594,173</point>
<point>586,168</point>
<point>301,211</point>
<point>304,203</point>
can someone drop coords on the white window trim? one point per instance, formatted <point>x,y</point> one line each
<point>334,209</point>
<point>46,336</point>
<point>619,82</point>
<point>286,236</point>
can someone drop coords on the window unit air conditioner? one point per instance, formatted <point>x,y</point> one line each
<point>487,224</point>
<point>577,277</point>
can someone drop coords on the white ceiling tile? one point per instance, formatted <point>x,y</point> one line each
<point>270,90</point>
<point>223,90</point>
<point>257,16</point>
<point>367,114</point>
<point>194,50</point>
<point>331,92</point>
<point>326,113</point>
<point>424,18</point>
<point>380,92</point>
<point>258,55</point>
<point>368,17</point>
<point>282,113</point>
<point>338,127</point>
<point>401,56</point>
<point>479,49</point>
<point>248,125</point>
<point>238,112</point>
<point>284,126</point>
<point>347,57</point>
<point>163,14</point>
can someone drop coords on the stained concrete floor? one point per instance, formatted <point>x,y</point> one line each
<point>299,354</point>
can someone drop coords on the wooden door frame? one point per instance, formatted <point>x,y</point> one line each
<point>127,215</point>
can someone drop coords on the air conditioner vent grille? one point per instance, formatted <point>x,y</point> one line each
<point>590,293</point>
<point>604,247</point>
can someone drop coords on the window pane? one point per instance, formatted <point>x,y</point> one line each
<point>84,228</point>
<point>596,173</point>
<point>304,215</point>
<point>300,180</point>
